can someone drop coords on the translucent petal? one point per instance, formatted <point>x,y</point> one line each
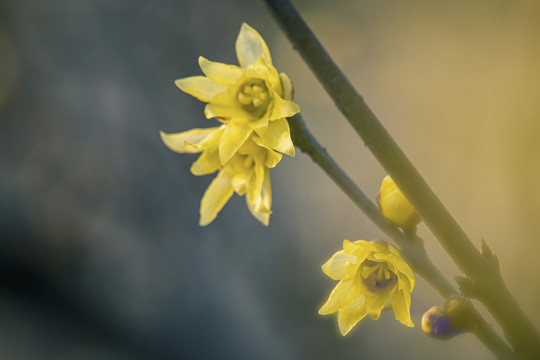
<point>360,248</point>
<point>221,106</point>
<point>336,266</point>
<point>266,191</point>
<point>401,302</point>
<point>215,197</point>
<point>278,137</point>
<point>261,69</point>
<point>286,84</point>
<point>404,283</point>
<point>283,108</point>
<point>375,301</point>
<point>263,217</point>
<point>349,316</point>
<point>254,192</point>
<point>342,295</point>
<point>240,182</point>
<point>405,269</point>
<point>223,74</point>
<point>200,87</point>
<point>206,164</point>
<point>272,158</point>
<point>191,141</point>
<point>234,136</point>
<point>249,45</point>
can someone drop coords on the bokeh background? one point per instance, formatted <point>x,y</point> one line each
<point>101,255</point>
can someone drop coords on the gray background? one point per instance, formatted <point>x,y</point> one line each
<point>101,255</point>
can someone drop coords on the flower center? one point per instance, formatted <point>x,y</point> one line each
<point>253,97</point>
<point>376,276</point>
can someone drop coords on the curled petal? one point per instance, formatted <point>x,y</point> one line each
<point>336,266</point>
<point>234,136</point>
<point>192,141</point>
<point>206,164</point>
<point>254,193</point>
<point>215,197</point>
<point>342,295</point>
<point>286,84</point>
<point>401,303</point>
<point>272,158</point>
<point>278,137</point>
<point>266,195</point>
<point>222,107</point>
<point>220,73</point>
<point>283,108</point>
<point>249,45</point>
<point>351,315</point>
<point>406,270</point>
<point>200,87</point>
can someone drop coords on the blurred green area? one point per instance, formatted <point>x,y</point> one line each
<point>100,252</point>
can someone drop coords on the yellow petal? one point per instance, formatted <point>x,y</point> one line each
<point>394,205</point>
<point>234,136</point>
<point>342,295</point>
<point>286,84</point>
<point>255,186</point>
<point>221,106</point>
<point>278,137</point>
<point>222,74</point>
<point>401,302</point>
<point>272,158</point>
<point>191,141</point>
<point>200,87</point>
<point>263,217</point>
<point>283,108</point>
<point>405,269</point>
<point>261,69</point>
<point>249,45</point>
<point>351,315</point>
<point>336,266</point>
<point>375,302</point>
<point>240,182</point>
<point>215,197</point>
<point>360,248</point>
<point>207,163</point>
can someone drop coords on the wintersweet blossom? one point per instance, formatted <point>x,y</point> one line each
<point>252,97</point>
<point>394,205</point>
<point>246,173</point>
<point>370,275</point>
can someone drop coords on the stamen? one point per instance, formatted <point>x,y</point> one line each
<point>257,102</point>
<point>244,99</point>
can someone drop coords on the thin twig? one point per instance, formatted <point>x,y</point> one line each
<point>411,247</point>
<point>492,290</point>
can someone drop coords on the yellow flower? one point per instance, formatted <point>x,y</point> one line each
<point>370,274</point>
<point>249,98</point>
<point>394,205</point>
<point>247,172</point>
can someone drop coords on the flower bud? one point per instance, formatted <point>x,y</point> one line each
<point>437,324</point>
<point>394,205</point>
<point>461,312</point>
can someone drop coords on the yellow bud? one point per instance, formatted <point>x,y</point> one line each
<point>394,205</point>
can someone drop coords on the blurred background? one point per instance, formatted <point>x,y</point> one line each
<point>101,255</point>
